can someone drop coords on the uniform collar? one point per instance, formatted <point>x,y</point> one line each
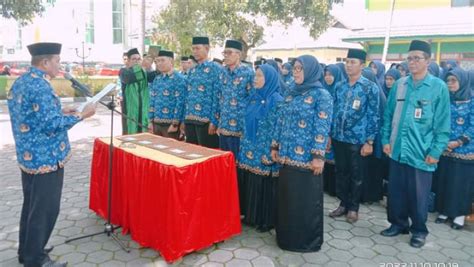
<point>425,81</point>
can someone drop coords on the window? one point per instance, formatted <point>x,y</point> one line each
<point>117,21</point>
<point>90,23</point>
<point>462,3</point>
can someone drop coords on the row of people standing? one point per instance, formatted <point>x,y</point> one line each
<point>295,125</point>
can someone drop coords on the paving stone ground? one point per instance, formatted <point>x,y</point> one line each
<point>344,244</point>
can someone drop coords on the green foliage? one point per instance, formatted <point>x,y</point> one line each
<point>23,10</point>
<point>235,19</point>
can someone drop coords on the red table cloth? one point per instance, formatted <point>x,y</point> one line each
<point>172,208</point>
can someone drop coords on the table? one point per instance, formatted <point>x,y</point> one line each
<point>167,202</point>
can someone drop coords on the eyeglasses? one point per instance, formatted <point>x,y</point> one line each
<point>415,59</point>
<point>225,53</point>
<point>297,68</point>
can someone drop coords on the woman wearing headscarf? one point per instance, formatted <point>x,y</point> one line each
<point>391,77</point>
<point>454,176</point>
<point>299,145</point>
<point>287,72</point>
<point>379,70</point>
<point>342,67</point>
<point>403,68</point>
<point>254,160</point>
<point>332,77</point>
<point>283,87</point>
<point>372,185</point>
<point>433,69</point>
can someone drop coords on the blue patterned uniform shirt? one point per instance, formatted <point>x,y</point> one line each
<point>204,85</point>
<point>462,128</point>
<point>356,112</point>
<point>167,98</point>
<point>237,85</point>
<point>256,157</point>
<point>38,124</point>
<point>303,127</point>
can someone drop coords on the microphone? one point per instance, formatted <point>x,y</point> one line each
<point>84,90</point>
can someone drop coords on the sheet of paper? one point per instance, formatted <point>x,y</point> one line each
<point>107,89</point>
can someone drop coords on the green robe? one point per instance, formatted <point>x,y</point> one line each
<point>137,99</point>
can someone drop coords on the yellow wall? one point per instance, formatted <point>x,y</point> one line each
<point>323,55</point>
<point>377,5</point>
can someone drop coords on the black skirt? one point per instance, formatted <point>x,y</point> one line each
<point>257,199</point>
<point>329,179</point>
<point>454,182</point>
<point>372,186</point>
<point>299,224</point>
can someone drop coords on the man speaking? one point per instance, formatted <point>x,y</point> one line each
<point>40,126</point>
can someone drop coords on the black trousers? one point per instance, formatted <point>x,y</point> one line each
<point>161,129</point>
<point>408,191</point>
<point>351,167</point>
<point>41,202</point>
<point>198,134</point>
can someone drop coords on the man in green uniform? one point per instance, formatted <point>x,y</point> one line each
<point>136,94</point>
<point>415,132</point>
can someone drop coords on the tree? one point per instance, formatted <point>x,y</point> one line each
<point>236,19</point>
<point>23,10</point>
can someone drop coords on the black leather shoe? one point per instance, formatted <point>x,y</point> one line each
<point>440,220</point>
<point>47,250</point>
<point>417,242</point>
<point>456,226</point>
<point>340,211</point>
<point>394,231</point>
<point>51,263</point>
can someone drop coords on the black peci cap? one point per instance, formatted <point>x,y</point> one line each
<point>165,53</point>
<point>39,49</point>
<point>233,44</point>
<point>132,51</point>
<point>421,46</point>
<point>200,40</point>
<point>357,53</point>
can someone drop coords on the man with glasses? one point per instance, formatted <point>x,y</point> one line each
<point>415,132</point>
<point>355,125</point>
<point>167,96</point>
<point>237,83</point>
<point>202,101</point>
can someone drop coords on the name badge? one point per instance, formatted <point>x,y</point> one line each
<point>418,113</point>
<point>356,104</point>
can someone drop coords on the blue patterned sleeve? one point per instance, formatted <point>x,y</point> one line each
<point>373,114</point>
<point>216,87</point>
<point>180,94</point>
<point>470,130</point>
<point>276,133</point>
<point>322,121</point>
<point>46,109</point>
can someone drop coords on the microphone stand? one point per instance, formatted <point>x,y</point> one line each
<point>109,228</point>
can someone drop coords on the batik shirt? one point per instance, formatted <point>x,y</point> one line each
<point>256,157</point>
<point>38,124</point>
<point>303,127</point>
<point>202,101</point>
<point>462,129</point>
<point>167,98</point>
<point>237,85</point>
<point>356,112</point>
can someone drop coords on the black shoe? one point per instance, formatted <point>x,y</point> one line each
<point>417,242</point>
<point>51,263</point>
<point>263,229</point>
<point>394,231</point>
<point>47,250</point>
<point>440,220</point>
<point>456,226</point>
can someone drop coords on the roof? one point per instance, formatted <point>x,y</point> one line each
<point>297,37</point>
<point>427,23</point>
